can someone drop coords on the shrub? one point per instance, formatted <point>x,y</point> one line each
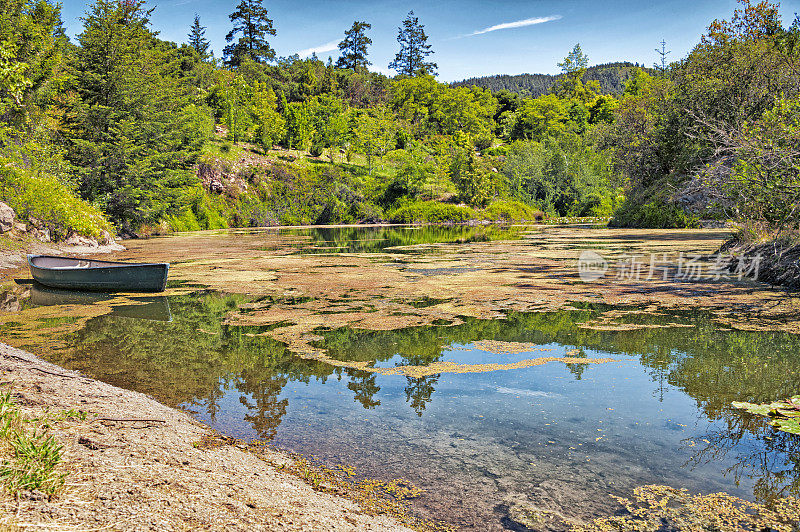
<point>55,204</point>
<point>432,212</point>
<point>511,211</point>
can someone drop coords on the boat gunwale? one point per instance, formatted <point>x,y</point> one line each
<point>103,263</point>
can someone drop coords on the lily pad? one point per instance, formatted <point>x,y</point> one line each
<point>784,415</point>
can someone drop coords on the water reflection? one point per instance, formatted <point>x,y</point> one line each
<point>659,415</point>
<point>155,308</point>
<point>380,239</point>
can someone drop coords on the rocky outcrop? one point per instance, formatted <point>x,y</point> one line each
<point>7,218</point>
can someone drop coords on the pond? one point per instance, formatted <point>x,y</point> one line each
<point>551,410</point>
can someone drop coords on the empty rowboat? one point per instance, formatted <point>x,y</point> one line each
<point>101,275</point>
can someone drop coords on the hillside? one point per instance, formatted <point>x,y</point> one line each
<point>612,78</point>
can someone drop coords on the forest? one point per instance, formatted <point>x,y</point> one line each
<point>121,131</point>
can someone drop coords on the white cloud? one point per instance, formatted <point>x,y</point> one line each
<point>322,48</point>
<point>515,24</point>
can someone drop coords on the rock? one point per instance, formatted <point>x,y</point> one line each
<point>7,216</point>
<point>42,234</point>
<point>106,238</point>
<point>74,239</point>
<point>20,227</point>
<point>35,222</point>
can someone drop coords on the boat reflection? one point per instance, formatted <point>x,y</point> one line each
<point>153,308</point>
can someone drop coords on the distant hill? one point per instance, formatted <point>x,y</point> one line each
<point>612,78</point>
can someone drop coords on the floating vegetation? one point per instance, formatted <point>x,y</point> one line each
<point>656,508</point>
<point>439,367</point>
<point>505,348</point>
<point>783,415</point>
<point>374,496</point>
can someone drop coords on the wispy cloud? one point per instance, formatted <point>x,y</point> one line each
<point>515,24</point>
<point>322,48</point>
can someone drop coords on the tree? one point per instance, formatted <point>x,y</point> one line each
<point>134,132</point>
<point>575,62</point>
<point>663,53</point>
<point>354,47</point>
<point>197,39</point>
<point>414,48</point>
<point>251,20</point>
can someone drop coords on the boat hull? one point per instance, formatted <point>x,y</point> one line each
<point>95,275</point>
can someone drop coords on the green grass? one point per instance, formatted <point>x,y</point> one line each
<point>32,455</point>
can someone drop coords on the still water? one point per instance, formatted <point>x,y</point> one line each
<point>555,436</point>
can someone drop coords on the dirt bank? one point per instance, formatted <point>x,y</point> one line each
<point>168,472</point>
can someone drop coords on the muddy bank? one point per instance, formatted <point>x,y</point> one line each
<point>158,473</point>
<point>778,264</point>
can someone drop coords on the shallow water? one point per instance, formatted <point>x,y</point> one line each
<point>554,436</point>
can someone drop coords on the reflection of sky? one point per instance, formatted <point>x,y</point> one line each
<point>529,421</point>
<point>621,30</point>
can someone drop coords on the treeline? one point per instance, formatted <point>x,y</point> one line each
<point>121,126</point>
<point>612,78</point>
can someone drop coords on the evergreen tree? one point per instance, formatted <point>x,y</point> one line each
<point>251,20</point>
<point>354,47</point>
<point>197,39</point>
<point>576,62</point>
<point>414,48</point>
<point>135,133</point>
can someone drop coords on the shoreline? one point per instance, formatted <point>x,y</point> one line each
<point>167,472</point>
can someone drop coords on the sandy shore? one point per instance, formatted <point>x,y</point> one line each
<point>168,472</point>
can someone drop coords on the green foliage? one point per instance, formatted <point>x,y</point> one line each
<point>431,212</point>
<point>44,197</point>
<point>565,176</point>
<point>511,211</point>
<point>652,207</point>
<point>610,76</point>
<point>197,39</point>
<point>133,142</point>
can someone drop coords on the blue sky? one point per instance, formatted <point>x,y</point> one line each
<point>469,37</point>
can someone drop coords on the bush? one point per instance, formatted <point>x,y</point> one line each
<point>432,212</point>
<point>512,211</point>
<point>659,213</point>
<point>52,202</point>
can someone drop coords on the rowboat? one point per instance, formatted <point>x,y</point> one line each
<point>100,275</point>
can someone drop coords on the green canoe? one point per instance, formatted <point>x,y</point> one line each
<point>105,276</point>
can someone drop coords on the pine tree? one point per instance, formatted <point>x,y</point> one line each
<point>197,39</point>
<point>251,20</point>
<point>414,48</point>
<point>354,47</point>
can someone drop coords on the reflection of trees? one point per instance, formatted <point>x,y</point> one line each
<point>364,385</point>
<point>268,411</point>
<point>371,239</point>
<point>419,391</point>
<point>190,359</point>
<point>770,456</point>
<point>577,369</point>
